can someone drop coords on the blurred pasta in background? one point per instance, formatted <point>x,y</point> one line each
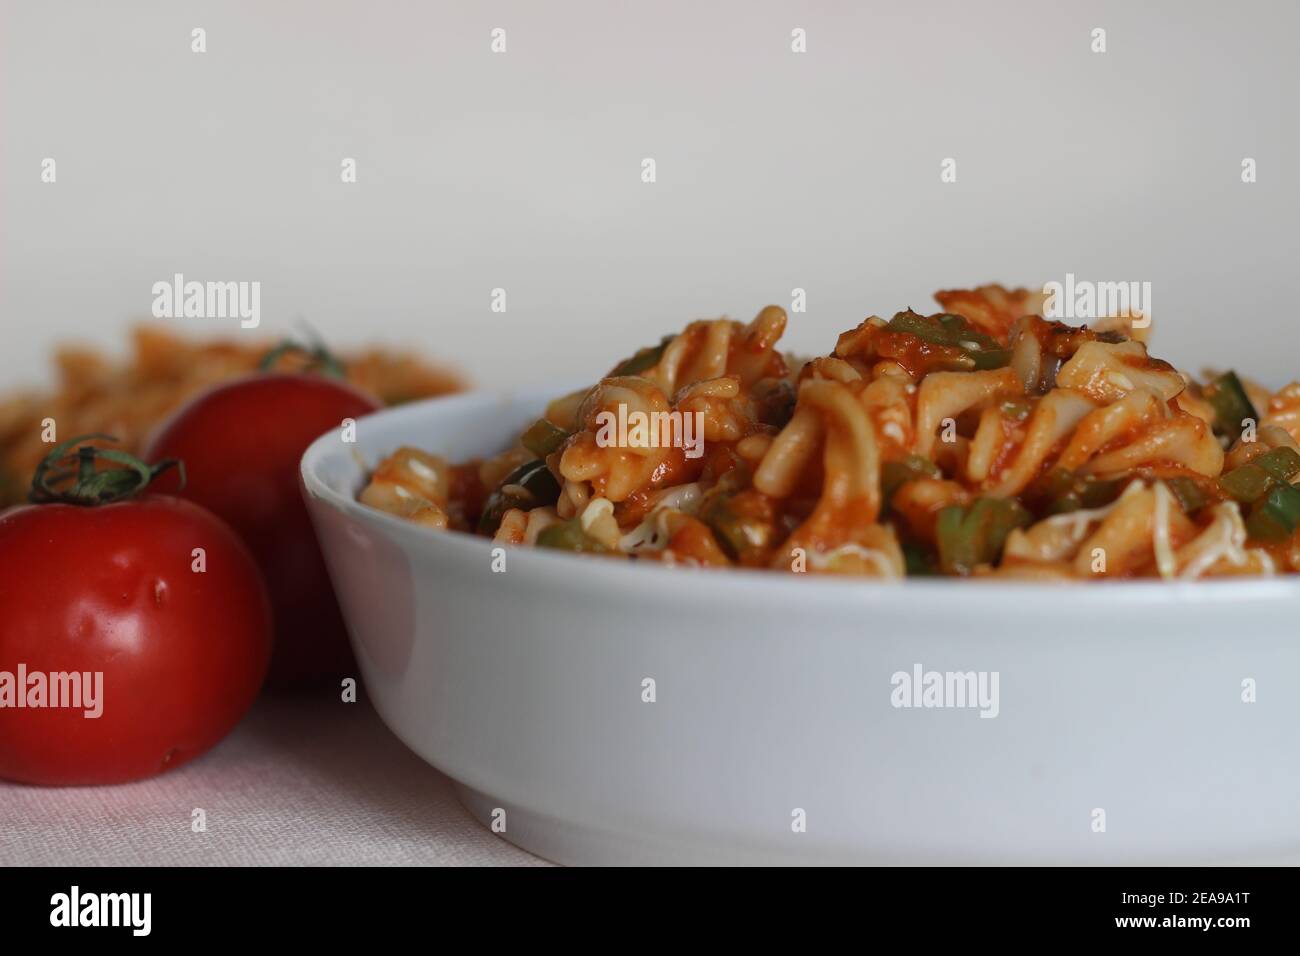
<point>981,441</point>
<point>126,399</point>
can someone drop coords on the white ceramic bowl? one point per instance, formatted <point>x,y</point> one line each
<point>774,695</point>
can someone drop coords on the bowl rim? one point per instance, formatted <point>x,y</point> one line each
<point>713,584</point>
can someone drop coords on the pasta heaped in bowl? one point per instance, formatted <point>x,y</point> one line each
<point>983,440</point>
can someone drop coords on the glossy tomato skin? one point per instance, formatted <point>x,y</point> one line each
<point>114,589</point>
<point>241,444</point>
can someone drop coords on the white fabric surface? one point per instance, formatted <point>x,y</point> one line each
<point>300,781</point>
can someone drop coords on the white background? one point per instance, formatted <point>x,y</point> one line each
<point>522,170</point>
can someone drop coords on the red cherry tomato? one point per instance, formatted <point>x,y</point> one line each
<point>241,443</point>
<point>113,590</point>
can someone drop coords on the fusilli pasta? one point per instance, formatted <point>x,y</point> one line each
<point>982,441</point>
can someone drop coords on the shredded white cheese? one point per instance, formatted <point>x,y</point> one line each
<point>651,534</point>
<point>596,508</point>
<point>873,556</point>
<point>1166,564</point>
<point>1265,559</point>
<point>1229,543</point>
<point>1077,522</point>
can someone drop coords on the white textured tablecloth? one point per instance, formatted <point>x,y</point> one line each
<point>298,782</point>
